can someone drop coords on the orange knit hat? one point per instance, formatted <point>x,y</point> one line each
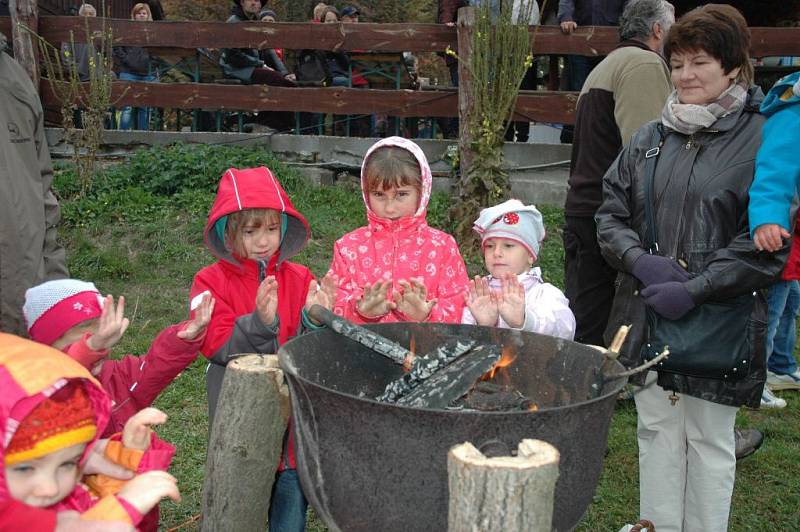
<point>64,419</point>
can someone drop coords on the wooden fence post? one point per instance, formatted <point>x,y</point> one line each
<point>504,493</point>
<point>25,13</point>
<point>466,22</point>
<point>245,444</point>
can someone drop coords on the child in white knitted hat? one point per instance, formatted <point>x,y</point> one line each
<point>513,295</point>
<point>72,316</point>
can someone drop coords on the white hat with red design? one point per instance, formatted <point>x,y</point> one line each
<point>514,220</point>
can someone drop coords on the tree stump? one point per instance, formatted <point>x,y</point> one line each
<point>245,444</point>
<point>503,493</point>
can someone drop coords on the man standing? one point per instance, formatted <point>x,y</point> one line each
<point>29,213</point>
<point>625,91</point>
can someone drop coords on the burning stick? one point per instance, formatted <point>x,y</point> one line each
<point>423,367</point>
<point>363,336</point>
<point>450,383</point>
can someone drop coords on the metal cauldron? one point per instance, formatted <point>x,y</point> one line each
<point>371,466</point>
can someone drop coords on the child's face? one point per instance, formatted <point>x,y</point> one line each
<point>75,333</point>
<point>394,202</point>
<point>44,481</point>
<point>261,240</point>
<point>503,255</point>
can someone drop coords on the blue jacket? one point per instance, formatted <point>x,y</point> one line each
<point>777,168</point>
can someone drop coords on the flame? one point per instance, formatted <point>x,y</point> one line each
<point>533,407</point>
<point>507,357</point>
<point>408,363</point>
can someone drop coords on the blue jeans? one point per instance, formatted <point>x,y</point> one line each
<point>287,509</point>
<point>783,301</point>
<point>142,113</point>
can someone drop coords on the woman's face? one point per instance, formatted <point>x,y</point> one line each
<point>142,14</point>
<point>330,16</point>
<point>699,77</point>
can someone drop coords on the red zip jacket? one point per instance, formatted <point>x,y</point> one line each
<point>235,326</point>
<point>134,382</point>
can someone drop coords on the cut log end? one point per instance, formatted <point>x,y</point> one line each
<point>530,454</point>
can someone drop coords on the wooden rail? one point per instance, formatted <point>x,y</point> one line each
<point>540,106</point>
<point>589,40</point>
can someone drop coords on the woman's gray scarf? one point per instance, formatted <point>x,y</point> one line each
<point>689,118</point>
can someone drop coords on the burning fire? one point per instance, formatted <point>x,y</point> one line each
<point>408,363</point>
<point>507,357</point>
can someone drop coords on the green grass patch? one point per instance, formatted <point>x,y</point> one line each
<point>138,230</point>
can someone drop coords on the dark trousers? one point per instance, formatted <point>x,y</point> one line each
<point>519,131</point>
<point>588,279</point>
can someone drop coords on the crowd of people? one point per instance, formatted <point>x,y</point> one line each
<point>679,220</point>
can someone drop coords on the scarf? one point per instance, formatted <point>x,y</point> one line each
<point>688,118</point>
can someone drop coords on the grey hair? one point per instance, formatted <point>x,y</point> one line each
<point>639,16</point>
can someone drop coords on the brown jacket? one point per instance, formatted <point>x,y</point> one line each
<point>29,213</point>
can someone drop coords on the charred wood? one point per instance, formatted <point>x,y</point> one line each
<point>452,382</point>
<point>424,367</point>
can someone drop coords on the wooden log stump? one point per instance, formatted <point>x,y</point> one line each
<point>245,444</point>
<point>503,493</point>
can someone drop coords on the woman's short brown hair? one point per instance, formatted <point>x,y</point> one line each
<point>139,7</point>
<point>392,166</point>
<point>719,30</point>
<point>246,218</point>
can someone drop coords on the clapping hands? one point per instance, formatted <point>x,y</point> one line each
<point>487,305</point>
<point>137,431</point>
<point>202,317</point>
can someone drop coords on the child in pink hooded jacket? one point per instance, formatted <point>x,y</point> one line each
<point>397,268</point>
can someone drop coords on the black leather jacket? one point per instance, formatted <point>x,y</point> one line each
<point>701,196</point>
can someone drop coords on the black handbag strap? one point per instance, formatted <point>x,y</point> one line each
<point>651,158</point>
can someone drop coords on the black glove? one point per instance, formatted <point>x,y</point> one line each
<point>670,300</point>
<point>655,269</point>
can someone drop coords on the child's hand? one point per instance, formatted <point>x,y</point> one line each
<point>145,491</point>
<point>511,301</point>
<point>267,300</point>
<point>322,293</point>
<point>136,433</point>
<point>373,303</point>
<point>202,316</point>
<point>111,327</point>
<point>412,299</point>
<point>481,302</point>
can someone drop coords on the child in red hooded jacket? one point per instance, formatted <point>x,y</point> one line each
<point>261,298</point>
<point>72,316</point>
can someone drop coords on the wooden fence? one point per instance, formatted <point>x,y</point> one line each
<point>545,106</point>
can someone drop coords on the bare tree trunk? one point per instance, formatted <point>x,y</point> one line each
<point>504,493</point>
<point>245,444</point>
<point>25,13</point>
<point>466,20</point>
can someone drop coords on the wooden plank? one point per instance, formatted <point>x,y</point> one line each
<point>289,35</point>
<point>588,40</point>
<point>543,106</point>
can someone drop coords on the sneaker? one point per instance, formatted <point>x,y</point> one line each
<point>787,381</point>
<point>747,441</point>
<point>770,400</point>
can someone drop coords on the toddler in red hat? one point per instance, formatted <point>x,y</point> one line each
<point>51,414</point>
<point>72,315</point>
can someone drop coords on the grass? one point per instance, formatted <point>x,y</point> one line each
<point>139,235</point>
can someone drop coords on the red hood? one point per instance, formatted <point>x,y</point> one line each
<point>31,372</point>
<point>424,197</point>
<point>254,188</point>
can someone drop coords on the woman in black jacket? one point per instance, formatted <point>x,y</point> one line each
<point>132,63</point>
<point>704,268</point>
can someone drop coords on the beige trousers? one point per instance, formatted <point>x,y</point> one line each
<point>687,461</point>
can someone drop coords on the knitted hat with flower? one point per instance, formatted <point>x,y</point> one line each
<point>54,307</point>
<point>64,419</point>
<point>514,220</point>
